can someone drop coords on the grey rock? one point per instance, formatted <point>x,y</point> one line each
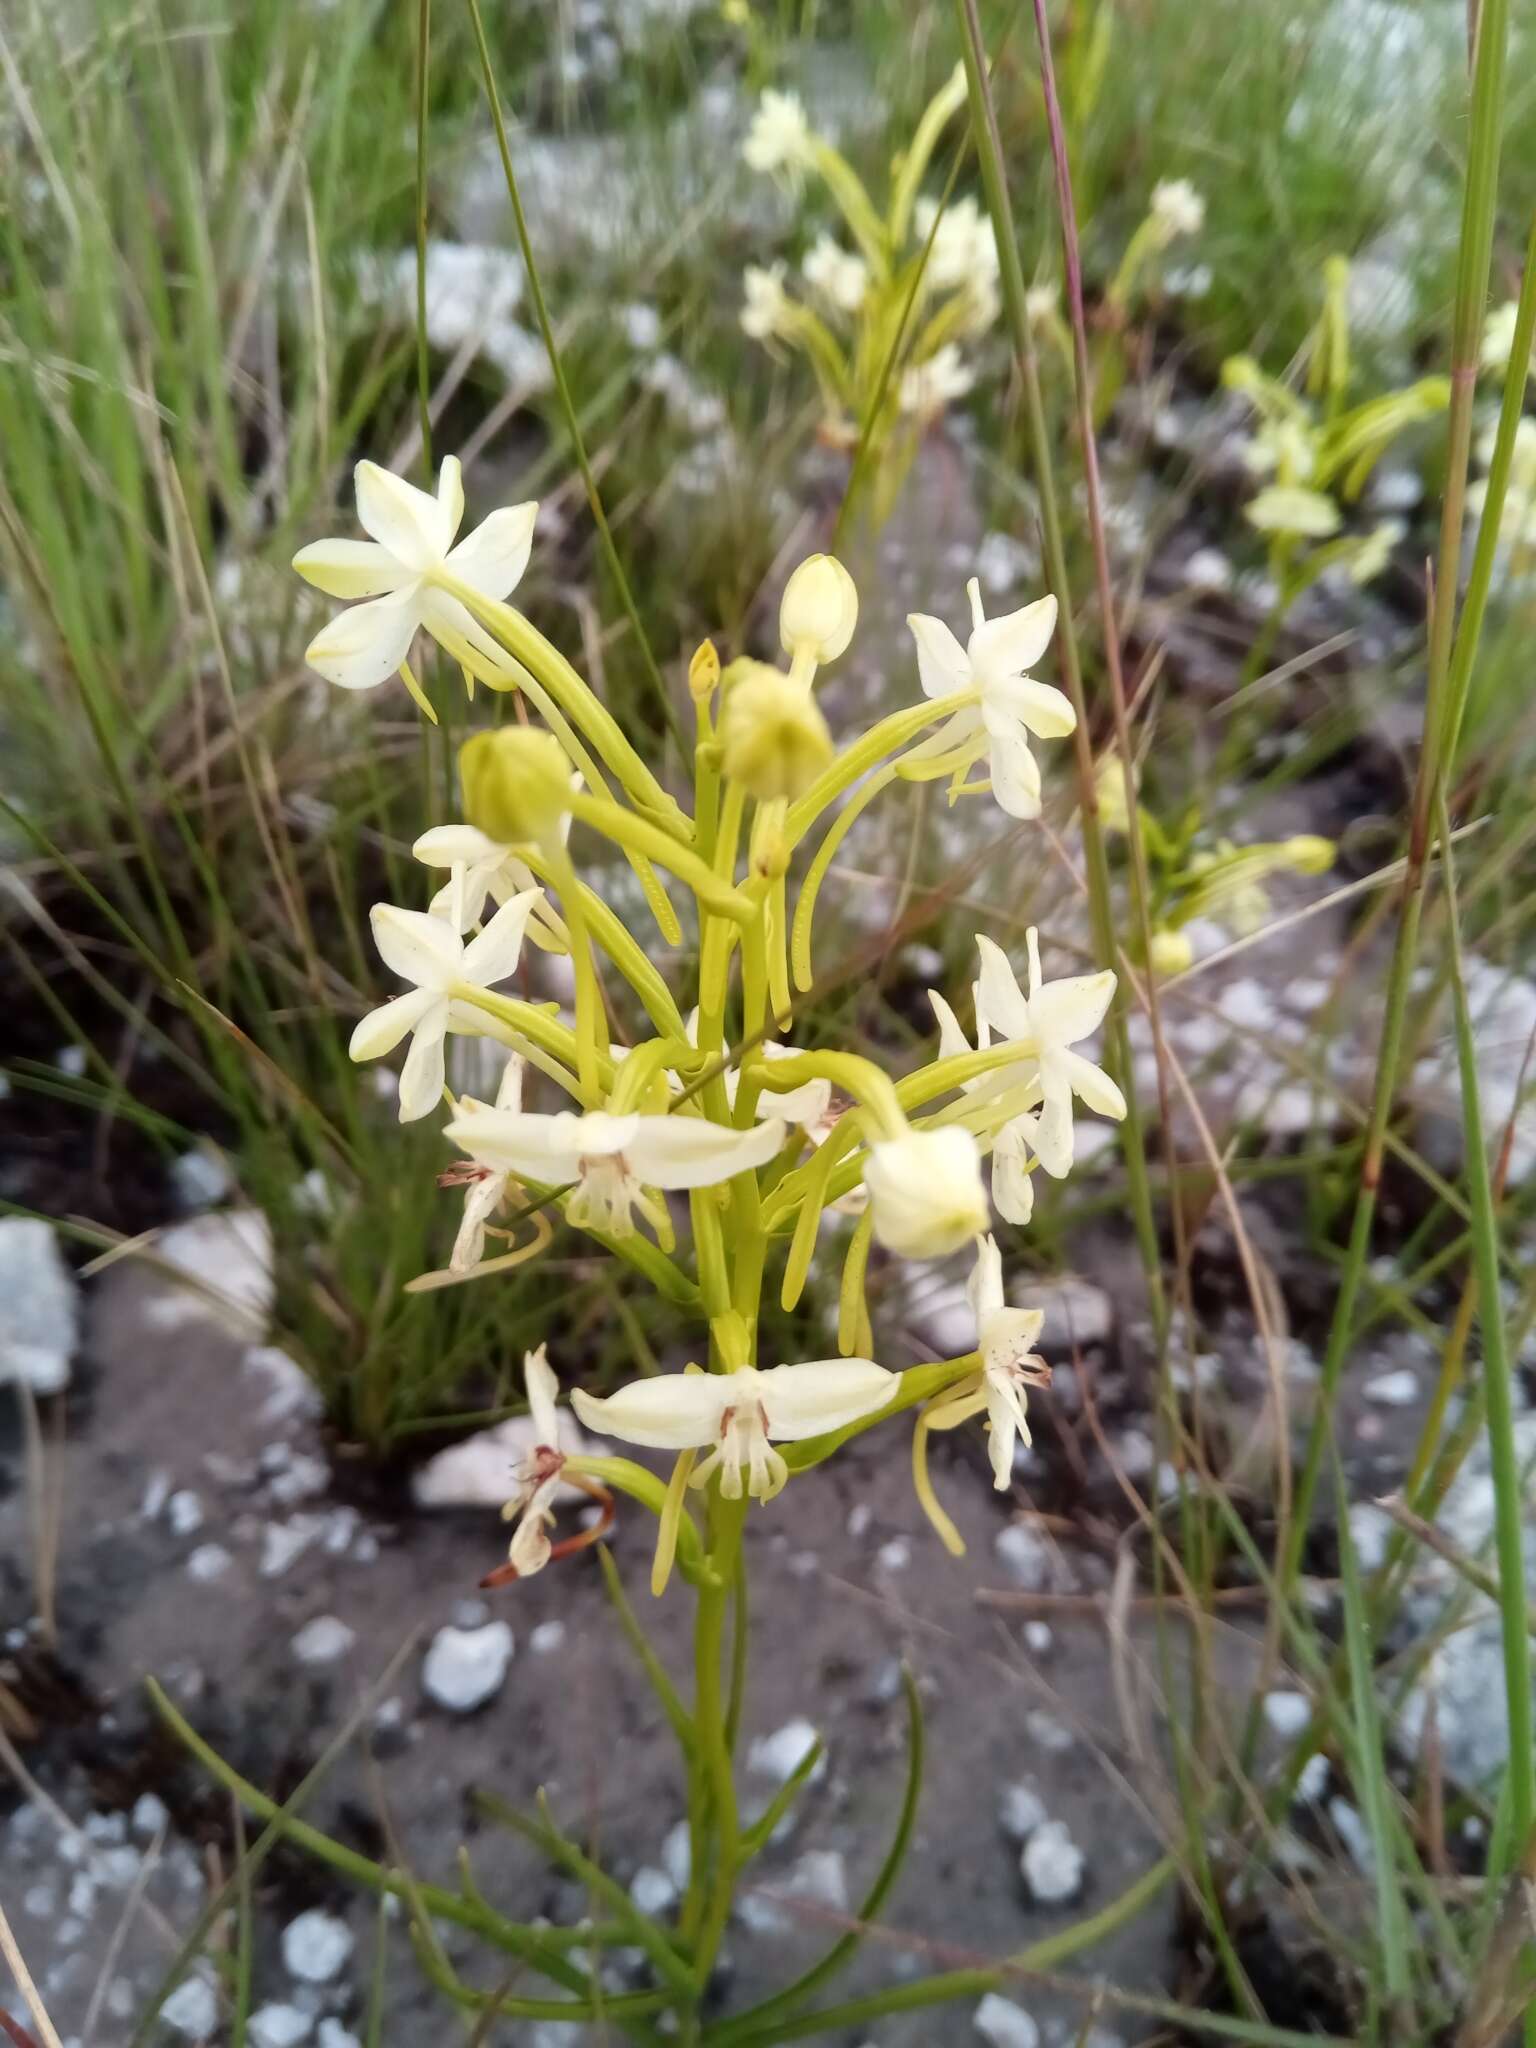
<point>39,1307</point>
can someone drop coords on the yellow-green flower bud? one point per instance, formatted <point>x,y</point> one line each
<point>516,784</point>
<point>820,609</point>
<point>1309,853</point>
<point>704,672</point>
<point>1113,788</point>
<point>1170,953</point>
<point>773,738</point>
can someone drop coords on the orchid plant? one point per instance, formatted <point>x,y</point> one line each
<point>884,323</point>
<point>1312,455</point>
<point>706,1153</point>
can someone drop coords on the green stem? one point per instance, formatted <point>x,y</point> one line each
<point>709,1715</point>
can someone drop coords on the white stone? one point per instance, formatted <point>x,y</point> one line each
<point>1398,1389</point>
<point>653,1891</point>
<point>818,1881</point>
<point>1038,1637</point>
<point>894,1556</point>
<point>39,1306</point>
<point>1077,1313</point>
<point>157,1491</point>
<point>1288,1713</point>
<point>779,1755</point>
<point>323,1640</point>
<point>1371,1528</point>
<point>466,1667</point>
<point>1020,1811</point>
<point>860,1516</point>
<point>228,1254</point>
<point>1052,1864</point>
<point>547,1638</point>
<point>1208,569</point>
<point>1047,1732</point>
<point>334,2035</point>
<point>295,1476</point>
<point>150,1814</point>
<point>71,1060</point>
<point>477,1473</point>
<point>1312,1777</point>
<point>284,1543</point>
<point>1353,1833</point>
<point>184,1512</point>
<point>1248,1004</point>
<point>200,1178</point>
<point>316,1947</point>
<point>192,2009</point>
<point>280,2026</point>
<point>286,1388</point>
<point>208,1562</point>
<point>1002,2024</point>
<point>1026,1556</point>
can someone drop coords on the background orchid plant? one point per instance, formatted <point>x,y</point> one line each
<point>676,1124</point>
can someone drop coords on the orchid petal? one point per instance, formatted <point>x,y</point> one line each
<point>422,1076</point>
<point>1092,1085</point>
<point>382,1029</point>
<point>544,1148</point>
<point>351,568</point>
<point>687,1152</point>
<point>674,1411</point>
<point>825,1393</point>
<point>1062,1012</point>
<point>492,559</point>
<point>1013,1188</point>
<point>411,525</point>
<point>984,1289</point>
<point>419,948</point>
<point>1009,645</point>
<point>493,955</point>
<point>450,497</point>
<point>455,628</point>
<point>942,664</point>
<point>446,846</point>
<point>1015,771</point>
<point>998,995</point>
<point>364,646</point>
<point>1045,710</point>
<point>543,1397</point>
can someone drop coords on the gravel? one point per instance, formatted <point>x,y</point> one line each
<point>466,1667</point>
<point>1052,1864</point>
<point>316,1947</point>
<point>1002,2024</point>
<point>39,1306</point>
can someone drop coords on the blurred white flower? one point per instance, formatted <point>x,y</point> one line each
<point>1177,208</point>
<point>927,388</point>
<point>399,570</point>
<point>926,1192</point>
<point>1005,1338</point>
<point>1013,705</point>
<point>485,1189</point>
<point>1040,302</point>
<point>537,1480</point>
<point>1292,509</point>
<point>841,277</point>
<point>964,252</point>
<point>779,141</point>
<point>737,1415</point>
<point>1375,551</point>
<point>765,301</point>
<point>428,951</point>
<point>611,1163</point>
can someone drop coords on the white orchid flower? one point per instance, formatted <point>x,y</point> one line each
<point>485,1188</point>
<point>428,952</point>
<point>479,867</point>
<point>841,277</point>
<point>1014,1147</point>
<point>611,1163</point>
<point>538,1479</point>
<point>399,572</point>
<point>1178,208</point>
<point>1055,1016</point>
<point>1005,1337</point>
<point>925,1188</point>
<point>738,1415</point>
<point>809,1105</point>
<point>1013,705</point>
<point>766,306</point>
<point>926,388</point>
<point>964,251</point>
<point>779,141</point>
